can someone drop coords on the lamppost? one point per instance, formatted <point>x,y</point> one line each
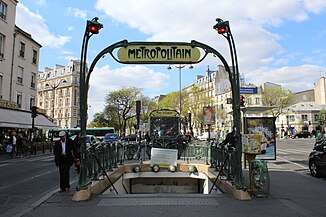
<point>223,28</point>
<point>54,87</point>
<point>92,27</point>
<point>180,67</point>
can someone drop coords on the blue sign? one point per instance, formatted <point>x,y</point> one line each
<point>248,90</point>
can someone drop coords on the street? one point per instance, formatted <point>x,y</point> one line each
<point>26,182</point>
<point>292,154</point>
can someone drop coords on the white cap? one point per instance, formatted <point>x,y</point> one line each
<point>62,133</point>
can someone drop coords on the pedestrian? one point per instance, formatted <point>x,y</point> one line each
<point>147,145</point>
<point>230,138</point>
<point>19,145</point>
<point>64,158</point>
<point>12,142</point>
<point>77,152</point>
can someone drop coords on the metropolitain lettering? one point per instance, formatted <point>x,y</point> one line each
<point>159,53</point>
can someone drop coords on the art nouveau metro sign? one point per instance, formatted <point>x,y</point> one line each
<point>158,52</point>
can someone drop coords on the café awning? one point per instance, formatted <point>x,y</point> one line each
<point>13,118</point>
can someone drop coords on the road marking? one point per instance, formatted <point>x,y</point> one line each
<point>24,180</point>
<point>2,165</point>
<point>290,162</point>
<point>295,151</point>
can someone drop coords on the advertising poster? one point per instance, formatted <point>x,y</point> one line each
<point>265,126</point>
<point>252,143</point>
<point>209,115</point>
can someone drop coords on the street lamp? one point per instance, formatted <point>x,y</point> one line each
<point>223,28</point>
<point>179,67</point>
<point>92,27</point>
<point>54,87</point>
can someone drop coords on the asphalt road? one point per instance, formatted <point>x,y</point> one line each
<point>293,154</point>
<point>26,180</point>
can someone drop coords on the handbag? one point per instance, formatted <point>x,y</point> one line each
<point>9,148</point>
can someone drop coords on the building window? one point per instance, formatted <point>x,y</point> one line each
<point>67,101</point>
<point>33,80</point>
<point>75,97</point>
<point>20,73</point>
<point>2,46</point>
<point>19,99</point>
<point>249,101</point>
<point>257,101</point>
<point>31,102</point>
<point>1,78</point>
<point>304,117</point>
<point>291,118</point>
<point>22,49</point>
<point>316,117</point>
<point>34,56</point>
<point>3,10</point>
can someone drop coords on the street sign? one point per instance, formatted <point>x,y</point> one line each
<point>151,52</point>
<point>248,90</point>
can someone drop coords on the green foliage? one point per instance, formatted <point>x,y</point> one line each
<point>171,101</point>
<point>277,97</point>
<point>120,110</point>
<point>321,117</point>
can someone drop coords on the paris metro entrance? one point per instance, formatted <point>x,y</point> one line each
<point>126,52</point>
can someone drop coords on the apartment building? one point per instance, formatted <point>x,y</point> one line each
<point>19,59</point>
<point>58,93</point>
<point>19,62</point>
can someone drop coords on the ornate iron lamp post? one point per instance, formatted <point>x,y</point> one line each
<point>223,28</point>
<point>92,27</point>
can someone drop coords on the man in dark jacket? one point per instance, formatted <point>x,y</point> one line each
<point>64,158</point>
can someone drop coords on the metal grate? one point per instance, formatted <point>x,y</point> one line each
<point>158,202</point>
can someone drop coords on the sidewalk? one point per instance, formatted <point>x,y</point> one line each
<point>291,195</point>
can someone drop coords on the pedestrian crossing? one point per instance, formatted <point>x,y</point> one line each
<point>295,159</point>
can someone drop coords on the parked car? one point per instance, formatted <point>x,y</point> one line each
<point>317,160</point>
<point>302,134</point>
<point>110,137</point>
<point>129,138</point>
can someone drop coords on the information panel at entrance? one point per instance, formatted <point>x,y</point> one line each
<point>158,53</point>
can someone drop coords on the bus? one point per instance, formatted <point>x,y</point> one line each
<point>98,132</point>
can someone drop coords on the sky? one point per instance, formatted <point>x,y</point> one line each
<point>283,42</point>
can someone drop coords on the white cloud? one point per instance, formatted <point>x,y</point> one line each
<point>315,5</point>
<point>185,20</point>
<point>41,2</point>
<point>76,12</point>
<point>35,25</point>
<point>293,78</point>
<point>104,79</point>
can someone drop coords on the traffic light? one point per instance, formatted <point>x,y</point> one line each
<point>222,26</point>
<point>242,101</point>
<point>34,113</point>
<point>94,26</point>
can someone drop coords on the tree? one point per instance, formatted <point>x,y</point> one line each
<point>321,117</point>
<point>195,100</point>
<point>171,101</point>
<point>278,97</point>
<point>123,101</point>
